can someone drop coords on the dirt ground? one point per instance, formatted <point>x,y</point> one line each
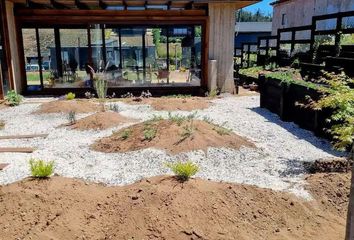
<point>162,208</point>
<point>100,121</point>
<point>169,137</point>
<point>172,104</point>
<point>65,106</point>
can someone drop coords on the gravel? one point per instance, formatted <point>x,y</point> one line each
<point>276,164</point>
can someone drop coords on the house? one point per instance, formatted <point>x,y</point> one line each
<point>246,32</point>
<point>164,46</point>
<point>294,13</point>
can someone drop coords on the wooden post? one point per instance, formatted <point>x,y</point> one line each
<point>349,234</point>
<point>222,21</point>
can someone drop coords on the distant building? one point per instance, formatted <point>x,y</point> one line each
<point>250,31</point>
<point>294,13</point>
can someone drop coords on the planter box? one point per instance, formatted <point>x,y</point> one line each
<point>247,79</point>
<point>284,100</point>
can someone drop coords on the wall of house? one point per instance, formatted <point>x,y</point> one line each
<point>300,12</point>
<point>221,43</point>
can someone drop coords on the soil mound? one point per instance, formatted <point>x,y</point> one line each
<point>65,106</point>
<point>161,208</point>
<point>333,189</point>
<point>171,137</point>
<point>100,121</point>
<point>172,104</point>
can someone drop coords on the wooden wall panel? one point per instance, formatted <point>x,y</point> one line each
<point>221,42</point>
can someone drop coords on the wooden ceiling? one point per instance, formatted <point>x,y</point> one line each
<point>125,4</point>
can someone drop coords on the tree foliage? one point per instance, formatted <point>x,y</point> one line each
<point>258,16</point>
<point>340,98</point>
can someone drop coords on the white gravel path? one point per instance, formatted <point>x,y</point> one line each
<point>276,164</point>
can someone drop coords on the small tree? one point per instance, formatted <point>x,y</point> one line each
<point>340,98</point>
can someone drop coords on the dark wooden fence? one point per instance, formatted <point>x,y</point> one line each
<point>304,44</point>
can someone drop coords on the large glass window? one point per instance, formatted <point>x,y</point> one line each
<point>48,56</point>
<point>130,56</point>
<point>31,58</point>
<point>74,56</point>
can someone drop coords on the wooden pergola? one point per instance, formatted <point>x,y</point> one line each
<point>124,4</point>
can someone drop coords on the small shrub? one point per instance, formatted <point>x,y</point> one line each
<point>146,94</point>
<point>2,124</point>
<point>150,133</point>
<point>70,96</point>
<point>188,131</point>
<point>126,134</point>
<point>183,171</point>
<point>13,99</point>
<point>72,117</point>
<point>127,95</point>
<point>177,118</point>
<point>156,118</point>
<point>89,95</point>
<point>222,130</point>
<point>40,168</point>
<point>213,93</point>
<point>207,119</point>
<point>114,107</point>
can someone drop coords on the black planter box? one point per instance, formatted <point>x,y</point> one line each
<point>287,101</point>
<point>244,79</point>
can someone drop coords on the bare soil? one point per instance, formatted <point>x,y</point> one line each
<point>170,137</point>
<point>172,104</point>
<point>100,121</point>
<point>332,189</point>
<point>163,208</point>
<point>66,106</point>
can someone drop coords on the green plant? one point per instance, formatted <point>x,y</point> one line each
<point>340,98</point>
<point>188,131</point>
<point>114,107</point>
<point>213,93</point>
<point>126,134</point>
<point>40,168</point>
<point>183,170</point>
<point>12,98</point>
<point>70,96</point>
<point>251,72</point>
<point>149,133</point>
<point>71,117</point>
<point>177,118</point>
<point>2,124</point>
<point>222,130</point>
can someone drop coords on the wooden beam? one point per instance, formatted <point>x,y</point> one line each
<point>16,150</point>
<point>23,136</point>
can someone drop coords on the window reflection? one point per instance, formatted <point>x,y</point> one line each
<point>129,56</point>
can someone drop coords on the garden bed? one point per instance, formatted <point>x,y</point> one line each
<point>163,208</point>
<point>100,121</point>
<point>66,106</point>
<point>289,101</point>
<point>174,136</point>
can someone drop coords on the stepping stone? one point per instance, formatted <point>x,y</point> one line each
<point>24,136</point>
<point>3,166</point>
<point>16,150</point>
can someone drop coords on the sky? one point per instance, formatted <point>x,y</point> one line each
<point>264,6</point>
